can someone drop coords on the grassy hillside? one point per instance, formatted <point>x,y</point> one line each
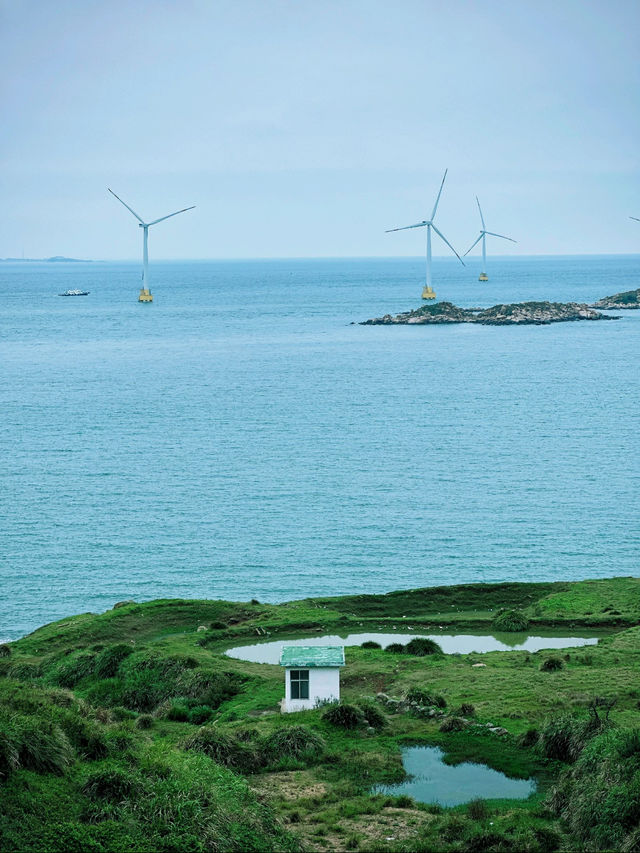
<point>131,730</point>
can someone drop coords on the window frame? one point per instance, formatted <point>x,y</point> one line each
<point>300,683</point>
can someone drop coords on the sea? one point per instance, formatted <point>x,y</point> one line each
<point>243,437</point>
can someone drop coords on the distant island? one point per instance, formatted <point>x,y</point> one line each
<point>518,313</point>
<point>627,300</point>
<point>55,259</point>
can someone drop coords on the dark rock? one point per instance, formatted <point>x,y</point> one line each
<point>627,299</point>
<point>518,313</point>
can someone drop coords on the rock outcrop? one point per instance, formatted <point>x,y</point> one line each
<point>518,313</point>
<point>627,299</point>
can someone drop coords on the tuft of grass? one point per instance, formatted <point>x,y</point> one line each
<point>224,748</point>
<point>510,620</point>
<point>5,650</point>
<point>145,721</point>
<point>395,648</point>
<point>299,742</point>
<point>422,646</point>
<point>344,715</point>
<point>425,697</point>
<point>370,644</point>
<point>111,783</point>
<point>452,724</point>
<point>551,664</point>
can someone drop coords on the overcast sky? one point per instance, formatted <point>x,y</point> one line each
<point>308,127</point>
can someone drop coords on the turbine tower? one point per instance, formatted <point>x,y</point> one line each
<point>145,293</point>
<point>428,292</point>
<point>483,233</point>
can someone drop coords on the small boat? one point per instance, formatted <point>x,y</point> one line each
<point>74,293</point>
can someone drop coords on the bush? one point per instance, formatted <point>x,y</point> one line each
<point>344,716</point>
<point>109,660</point>
<point>510,620</point>
<point>529,738</point>
<point>73,668</point>
<point>422,646</point>
<point>110,783</point>
<point>424,697</point>
<point>563,737</point>
<point>477,809</point>
<point>452,724</point>
<point>5,650</point>
<point>200,714</point>
<point>551,664</point>
<point>395,648</point>
<point>374,716</point>
<point>223,748</point>
<point>294,742</point>
<point>178,711</point>
<point>370,644</point>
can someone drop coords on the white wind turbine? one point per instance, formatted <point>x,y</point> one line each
<point>483,275</point>
<point>634,217</point>
<point>145,293</point>
<point>428,292</point>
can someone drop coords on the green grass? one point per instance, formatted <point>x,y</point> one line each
<point>132,730</point>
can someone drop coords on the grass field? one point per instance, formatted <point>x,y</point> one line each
<point>132,730</point>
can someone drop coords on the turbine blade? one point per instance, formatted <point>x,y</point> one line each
<point>472,245</point>
<point>405,227</point>
<point>442,237</point>
<point>493,234</point>
<point>481,216</point>
<point>634,217</point>
<point>435,206</point>
<point>162,218</point>
<point>130,209</point>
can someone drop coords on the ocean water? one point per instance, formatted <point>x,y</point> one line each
<point>239,438</point>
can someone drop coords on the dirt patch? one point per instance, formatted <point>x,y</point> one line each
<point>390,826</point>
<point>290,785</point>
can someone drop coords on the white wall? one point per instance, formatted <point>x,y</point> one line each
<point>324,684</point>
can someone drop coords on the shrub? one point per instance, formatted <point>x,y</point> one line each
<point>294,742</point>
<point>510,620</point>
<point>223,748</point>
<point>551,664</point>
<point>452,724</point>
<point>477,809</point>
<point>144,721</point>
<point>422,646</point>
<point>43,747</point>
<point>200,714</point>
<point>395,648</point>
<point>424,697</point>
<point>121,713</point>
<point>563,737</point>
<point>178,711</point>
<point>466,710</point>
<point>110,783</point>
<point>72,669</point>
<point>370,644</point>
<point>344,716</point>
<point>374,716</point>
<point>109,660</point>
<point>529,738</point>
<point>5,650</point>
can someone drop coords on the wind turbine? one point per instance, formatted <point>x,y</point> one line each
<point>428,292</point>
<point>483,275</point>
<point>145,293</point>
<point>634,217</point>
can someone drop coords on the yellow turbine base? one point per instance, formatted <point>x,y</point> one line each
<point>428,293</point>
<point>145,295</point>
<point>483,277</point>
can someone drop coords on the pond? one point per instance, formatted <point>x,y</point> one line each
<point>432,781</point>
<point>269,652</point>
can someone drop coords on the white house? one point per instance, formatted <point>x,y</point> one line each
<point>312,675</point>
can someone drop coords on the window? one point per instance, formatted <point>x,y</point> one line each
<point>299,680</point>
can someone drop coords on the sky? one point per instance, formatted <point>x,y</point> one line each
<point>305,128</point>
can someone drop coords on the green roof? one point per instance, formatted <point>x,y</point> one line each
<point>312,656</point>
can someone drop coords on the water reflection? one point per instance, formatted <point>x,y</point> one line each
<point>433,781</point>
<point>269,652</point>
